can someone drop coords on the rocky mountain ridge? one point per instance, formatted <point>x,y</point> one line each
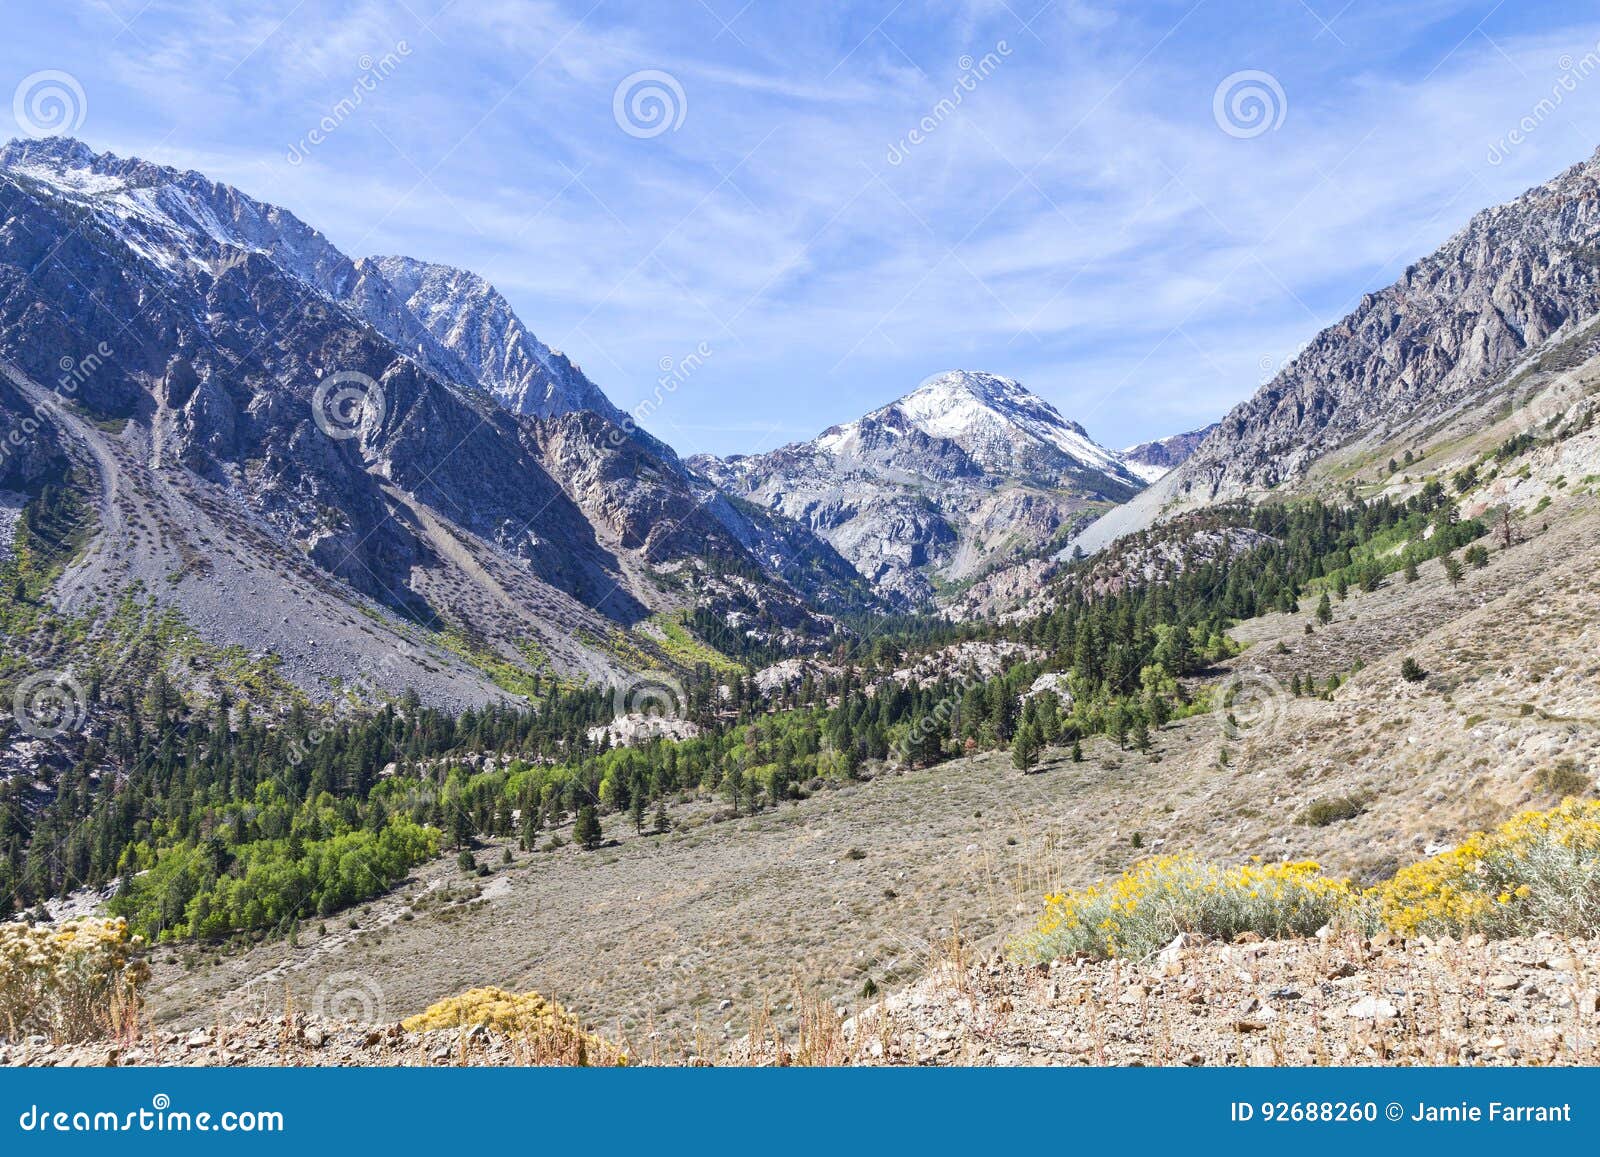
<point>1514,291</point>
<point>186,344</point>
<point>968,472</point>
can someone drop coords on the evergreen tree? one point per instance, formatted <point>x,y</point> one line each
<point>1324,609</point>
<point>586,831</point>
<point>1025,748</point>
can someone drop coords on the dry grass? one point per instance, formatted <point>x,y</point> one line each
<point>647,940</point>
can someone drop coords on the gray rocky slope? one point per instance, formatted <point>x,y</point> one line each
<point>171,338</point>
<point>1454,332</point>
<point>966,473</point>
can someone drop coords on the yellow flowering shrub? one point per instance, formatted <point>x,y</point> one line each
<point>1538,871</point>
<point>554,1032</point>
<point>1137,913</point>
<point>72,981</point>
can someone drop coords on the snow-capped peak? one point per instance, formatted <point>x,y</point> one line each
<point>994,419</point>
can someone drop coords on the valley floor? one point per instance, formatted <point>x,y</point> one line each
<point>680,942</point>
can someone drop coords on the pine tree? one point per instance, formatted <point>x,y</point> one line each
<point>1411,569</point>
<point>1025,748</point>
<point>586,830</point>
<point>662,822</point>
<point>1077,751</point>
<point>1324,609</point>
<point>1452,569</point>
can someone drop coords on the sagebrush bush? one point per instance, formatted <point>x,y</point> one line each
<point>554,1034</point>
<point>1331,809</point>
<point>1537,872</point>
<point>74,981</point>
<point>1151,903</point>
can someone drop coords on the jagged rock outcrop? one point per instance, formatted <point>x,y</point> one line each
<point>1518,281</point>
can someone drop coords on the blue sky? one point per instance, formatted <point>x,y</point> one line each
<point>1089,217</point>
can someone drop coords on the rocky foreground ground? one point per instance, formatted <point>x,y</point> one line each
<point>1335,1001</point>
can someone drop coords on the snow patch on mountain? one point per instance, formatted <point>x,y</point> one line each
<point>474,320</point>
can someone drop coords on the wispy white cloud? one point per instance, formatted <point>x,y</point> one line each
<point>1076,220</point>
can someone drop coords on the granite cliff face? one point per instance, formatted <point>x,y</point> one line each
<point>966,473</point>
<point>1520,282</point>
<point>390,424</point>
<point>1451,326</point>
<point>470,318</point>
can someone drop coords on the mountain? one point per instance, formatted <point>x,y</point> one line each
<point>347,466</point>
<point>1150,460</point>
<point>966,473</point>
<point>1459,338</point>
<point>470,318</point>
